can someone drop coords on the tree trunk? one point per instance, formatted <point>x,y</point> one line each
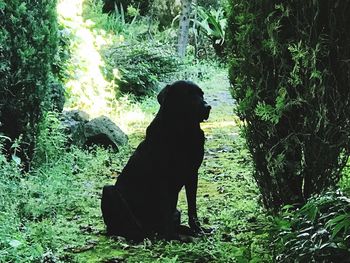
<point>183,27</point>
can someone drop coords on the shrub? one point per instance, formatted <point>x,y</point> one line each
<point>318,232</point>
<point>141,66</point>
<point>290,76</point>
<point>28,45</point>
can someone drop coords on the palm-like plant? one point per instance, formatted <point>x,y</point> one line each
<point>213,24</point>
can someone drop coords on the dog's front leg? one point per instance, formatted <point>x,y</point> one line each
<point>191,196</point>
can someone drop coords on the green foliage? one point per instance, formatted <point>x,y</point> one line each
<point>140,66</point>
<point>46,215</point>
<point>117,22</point>
<point>28,47</point>
<point>53,213</point>
<point>51,140</point>
<point>318,232</point>
<point>290,77</point>
<point>211,3</point>
<point>63,55</point>
<point>142,5</point>
<point>344,182</point>
<point>213,24</point>
<point>165,11</point>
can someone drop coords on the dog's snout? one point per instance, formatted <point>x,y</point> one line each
<point>207,106</point>
<point>207,109</point>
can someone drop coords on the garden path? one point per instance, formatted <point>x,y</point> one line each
<point>228,199</point>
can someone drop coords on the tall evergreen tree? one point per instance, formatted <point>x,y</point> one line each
<point>290,75</point>
<point>28,45</point>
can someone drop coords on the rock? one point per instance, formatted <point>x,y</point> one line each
<point>76,115</point>
<point>103,131</point>
<point>73,123</point>
<point>100,131</point>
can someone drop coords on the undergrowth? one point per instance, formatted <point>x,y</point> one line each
<point>53,213</point>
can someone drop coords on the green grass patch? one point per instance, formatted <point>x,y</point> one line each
<point>53,214</point>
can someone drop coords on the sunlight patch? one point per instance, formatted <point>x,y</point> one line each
<point>218,124</point>
<point>87,88</point>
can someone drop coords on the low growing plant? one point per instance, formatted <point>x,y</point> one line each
<point>213,24</point>
<point>51,139</point>
<point>318,232</point>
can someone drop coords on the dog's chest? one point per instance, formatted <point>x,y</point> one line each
<point>187,154</point>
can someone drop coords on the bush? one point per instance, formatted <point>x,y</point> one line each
<point>290,76</point>
<point>28,45</point>
<point>141,66</point>
<point>318,232</point>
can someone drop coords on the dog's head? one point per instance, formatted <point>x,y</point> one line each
<point>184,99</point>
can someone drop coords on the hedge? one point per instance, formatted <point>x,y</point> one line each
<point>28,46</point>
<point>290,75</point>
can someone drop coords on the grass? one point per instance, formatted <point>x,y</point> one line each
<point>227,198</point>
<point>53,214</point>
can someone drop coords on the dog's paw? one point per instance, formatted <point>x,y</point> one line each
<point>186,238</point>
<point>198,230</point>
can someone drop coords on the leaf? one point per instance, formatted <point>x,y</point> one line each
<point>324,245</point>
<point>15,243</point>
<point>2,5</point>
<point>313,214</point>
<point>307,229</point>
<point>16,159</point>
<point>303,235</point>
<point>337,229</point>
<point>340,218</point>
<point>5,137</point>
<point>266,112</point>
<point>340,222</point>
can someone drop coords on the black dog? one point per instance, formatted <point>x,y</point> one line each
<point>144,198</point>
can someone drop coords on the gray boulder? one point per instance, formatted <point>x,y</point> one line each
<point>76,115</point>
<point>103,131</point>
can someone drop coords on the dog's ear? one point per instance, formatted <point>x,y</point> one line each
<point>163,94</point>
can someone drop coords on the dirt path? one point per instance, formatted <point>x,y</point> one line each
<point>217,92</point>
